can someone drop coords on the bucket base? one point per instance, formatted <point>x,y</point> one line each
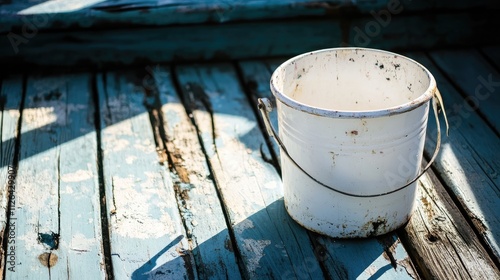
<point>369,229</point>
<point>323,211</point>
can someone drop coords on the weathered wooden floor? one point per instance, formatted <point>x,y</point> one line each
<point>165,172</point>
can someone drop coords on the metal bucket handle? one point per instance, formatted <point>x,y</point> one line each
<point>266,107</point>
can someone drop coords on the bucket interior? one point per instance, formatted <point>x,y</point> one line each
<point>352,80</point>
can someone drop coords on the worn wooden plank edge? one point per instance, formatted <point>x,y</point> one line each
<point>198,201</point>
<point>104,210</point>
<point>10,121</point>
<point>93,14</point>
<point>263,39</point>
<point>440,240</point>
<point>146,231</point>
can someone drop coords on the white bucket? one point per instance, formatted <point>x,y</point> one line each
<point>352,124</point>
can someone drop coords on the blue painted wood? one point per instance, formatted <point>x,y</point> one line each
<point>58,231</point>
<point>476,78</point>
<point>147,237</point>
<point>262,38</point>
<point>468,161</point>
<point>199,204</point>
<point>368,263</point>
<point>10,102</point>
<point>44,15</point>
<point>169,43</point>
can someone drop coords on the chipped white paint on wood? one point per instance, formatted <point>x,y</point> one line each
<point>10,102</point>
<point>51,212</point>
<point>146,233</point>
<point>196,194</point>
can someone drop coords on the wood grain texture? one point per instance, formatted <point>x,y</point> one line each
<point>200,207</point>
<point>146,232</point>
<point>468,161</point>
<point>270,243</point>
<point>97,13</point>
<point>11,92</point>
<point>372,255</point>
<point>441,240</point>
<point>476,78</point>
<point>58,232</point>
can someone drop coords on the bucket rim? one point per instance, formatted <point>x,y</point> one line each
<point>394,110</point>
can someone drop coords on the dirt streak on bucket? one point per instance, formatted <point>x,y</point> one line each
<point>352,125</point>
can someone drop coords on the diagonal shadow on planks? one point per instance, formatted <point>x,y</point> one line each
<point>468,163</point>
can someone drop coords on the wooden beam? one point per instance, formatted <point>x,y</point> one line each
<point>151,45</point>
<point>44,15</point>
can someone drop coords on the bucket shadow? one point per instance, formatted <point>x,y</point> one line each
<point>148,268</point>
<point>341,259</point>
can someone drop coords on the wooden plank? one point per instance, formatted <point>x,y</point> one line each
<point>467,162</point>
<point>476,78</point>
<point>262,38</point>
<point>493,53</point>
<point>146,231</point>
<point>270,243</point>
<point>441,240</point>
<point>11,92</point>
<point>57,218</point>
<point>201,209</point>
<point>97,13</point>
